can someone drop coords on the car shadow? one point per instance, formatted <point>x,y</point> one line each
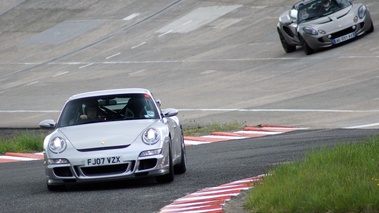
<point>147,182</point>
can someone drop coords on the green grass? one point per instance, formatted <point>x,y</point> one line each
<point>342,179</point>
<point>22,143</point>
<point>198,129</point>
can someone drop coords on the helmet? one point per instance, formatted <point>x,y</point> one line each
<point>326,3</point>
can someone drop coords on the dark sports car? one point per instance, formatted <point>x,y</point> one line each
<point>317,24</point>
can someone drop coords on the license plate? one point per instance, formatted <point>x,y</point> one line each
<point>103,161</point>
<point>343,38</point>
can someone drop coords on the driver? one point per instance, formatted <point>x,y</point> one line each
<point>326,5</point>
<point>91,113</point>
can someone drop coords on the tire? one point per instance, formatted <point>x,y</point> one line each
<point>287,48</point>
<point>372,28</point>
<point>169,177</point>
<point>181,168</point>
<point>307,49</point>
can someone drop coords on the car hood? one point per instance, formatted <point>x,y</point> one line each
<point>105,134</point>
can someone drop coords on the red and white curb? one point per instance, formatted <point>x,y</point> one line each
<point>249,131</point>
<point>211,200</point>
<point>17,157</point>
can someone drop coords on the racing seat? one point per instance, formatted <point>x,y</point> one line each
<point>136,108</point>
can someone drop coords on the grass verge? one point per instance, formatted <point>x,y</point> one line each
<point>342,179</point>
<point>198,129</point>
<point>22,142</point>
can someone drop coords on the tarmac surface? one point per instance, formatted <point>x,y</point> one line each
<point>228,197</point>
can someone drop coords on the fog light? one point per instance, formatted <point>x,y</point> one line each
<point>57,161</point>
<point>150,152</point>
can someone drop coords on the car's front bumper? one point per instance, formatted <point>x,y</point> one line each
<point>75,171</point>
<point>326,40</point>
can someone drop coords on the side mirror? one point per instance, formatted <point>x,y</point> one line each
<point>169,112</point>
<point>47,124</point>
<point>293,15</point>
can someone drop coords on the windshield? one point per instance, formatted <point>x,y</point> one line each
<point>319,8</point>
<point>108,108</point>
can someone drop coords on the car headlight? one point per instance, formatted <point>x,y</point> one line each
<point>362,11</point>
<point>310,30</point>
<point>57,145</point>
<point>151,136</point>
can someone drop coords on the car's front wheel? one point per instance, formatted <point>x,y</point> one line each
<point>181,168</point>
<point>169,177</point>
<point>307,49</point>
<point>371,28</point>
<point>287,48</point>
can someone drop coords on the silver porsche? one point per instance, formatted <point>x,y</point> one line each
<point>317,24</point>
<point>110,135</point>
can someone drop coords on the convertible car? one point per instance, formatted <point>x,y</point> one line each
<point>113,134</point>
<point>317,24</point>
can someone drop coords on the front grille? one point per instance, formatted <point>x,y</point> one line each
<point>342,32</point>
<point>362,24</point>
<point>147,164</point>
<point>105,170</point>
<point>62,172</point>
<point>288,31</point>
